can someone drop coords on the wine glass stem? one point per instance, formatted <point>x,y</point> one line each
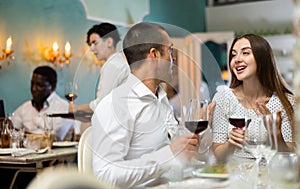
<point>268,174</point>
<point>258,181</point>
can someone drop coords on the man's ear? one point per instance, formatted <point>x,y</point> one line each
<point>53,87</point>
<point>154,54</point>
<point>110,42</point>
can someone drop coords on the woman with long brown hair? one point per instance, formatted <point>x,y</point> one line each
<point>257,87</point>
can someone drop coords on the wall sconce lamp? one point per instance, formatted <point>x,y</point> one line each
<point>52,54</point>
<point>7,53</point>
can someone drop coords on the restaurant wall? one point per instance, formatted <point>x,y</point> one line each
<point>34,25</point>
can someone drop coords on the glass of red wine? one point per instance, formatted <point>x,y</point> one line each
<point>71,91</point>
<point>238,115</point>
<point>196,119</point>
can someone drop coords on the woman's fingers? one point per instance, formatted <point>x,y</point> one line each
<point>262,109</point>
<point>236,137</point>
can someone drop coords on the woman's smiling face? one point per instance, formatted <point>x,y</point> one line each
<point>243,62</point>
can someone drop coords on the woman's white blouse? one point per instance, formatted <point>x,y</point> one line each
<point>222,127</point>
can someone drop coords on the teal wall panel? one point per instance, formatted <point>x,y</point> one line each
<point>36,24</point>
<point>188,14</point>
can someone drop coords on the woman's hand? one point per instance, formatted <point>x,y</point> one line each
<point>236,137</point>
<point>261,109</point>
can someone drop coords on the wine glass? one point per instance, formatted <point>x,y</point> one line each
<point>71,91</point>
<point>48,128</point>
<point>284,171</point>
<point>196,119</point>
<point>269,122</point>
<point>237,115</point>
<point>257,139</point>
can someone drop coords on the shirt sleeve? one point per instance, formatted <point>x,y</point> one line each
<point>219,121</point>
<point>17,118</point>
<point>61,126</point>
<point>286,128</point>
<point>111,143</point>
<point>111,77</point>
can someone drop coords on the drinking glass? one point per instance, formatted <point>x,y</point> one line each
<point>258,139</point>
<point>48,128</point>
<point>14,142</point>
<point>196,119</point>
<point>71,93</point>
<point>21,135</point>
<point>237,115</point>
<point>242,173</point>
<point>269,123</point>
<point>283,171</point>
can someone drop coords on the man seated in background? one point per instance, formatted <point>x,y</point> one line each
<point>44,101</point>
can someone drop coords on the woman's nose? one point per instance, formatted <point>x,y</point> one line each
<point>237,58</point>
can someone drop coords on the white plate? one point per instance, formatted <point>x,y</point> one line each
<point>65,144</point>
<point>198,173</point>
<point>8,151</point>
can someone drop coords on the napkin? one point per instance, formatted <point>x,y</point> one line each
<point>27,151</point>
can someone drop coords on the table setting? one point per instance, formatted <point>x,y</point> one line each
<point>201,172</point>
<point>206,177</point>
<point>265,167</point>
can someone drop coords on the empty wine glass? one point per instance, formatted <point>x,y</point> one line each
<point>257,139</point>
<point>283,171</point>
<point>269,123</point>
<point>48,128</point>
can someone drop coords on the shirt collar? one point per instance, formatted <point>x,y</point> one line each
<point>141,90</point>
<point>46,102</point>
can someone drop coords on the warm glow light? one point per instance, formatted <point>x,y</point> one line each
<point>8,45</point>
<point>67,49</point>
<point>55,48</point>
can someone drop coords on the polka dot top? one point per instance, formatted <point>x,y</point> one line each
<point>227,105</point>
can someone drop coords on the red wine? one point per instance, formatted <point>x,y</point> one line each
<point>71,96</point>
<point>239,122</point>
<point>196,126</point>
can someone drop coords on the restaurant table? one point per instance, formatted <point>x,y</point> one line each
<point>195,183</point>
<point>37,162</point>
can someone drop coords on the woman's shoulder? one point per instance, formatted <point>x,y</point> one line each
<point>223,93</point>
<point>289,96</point>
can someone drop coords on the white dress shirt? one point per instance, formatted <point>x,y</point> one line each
<point>32,120</point>
<point>113,73</point>
<point>222,127</point>
<point>130,135</point>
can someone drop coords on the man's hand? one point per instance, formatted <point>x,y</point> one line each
<point>185,146</point>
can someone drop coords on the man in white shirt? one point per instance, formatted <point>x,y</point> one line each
<point>44,101</point>
<point>102,39</point>
<point>131,124</point>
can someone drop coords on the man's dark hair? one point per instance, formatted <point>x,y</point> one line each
<point>140,39</point>
<point>104,30</point>
<point>48,72</point>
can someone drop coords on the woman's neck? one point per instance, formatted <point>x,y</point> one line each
<point>252,94</point>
